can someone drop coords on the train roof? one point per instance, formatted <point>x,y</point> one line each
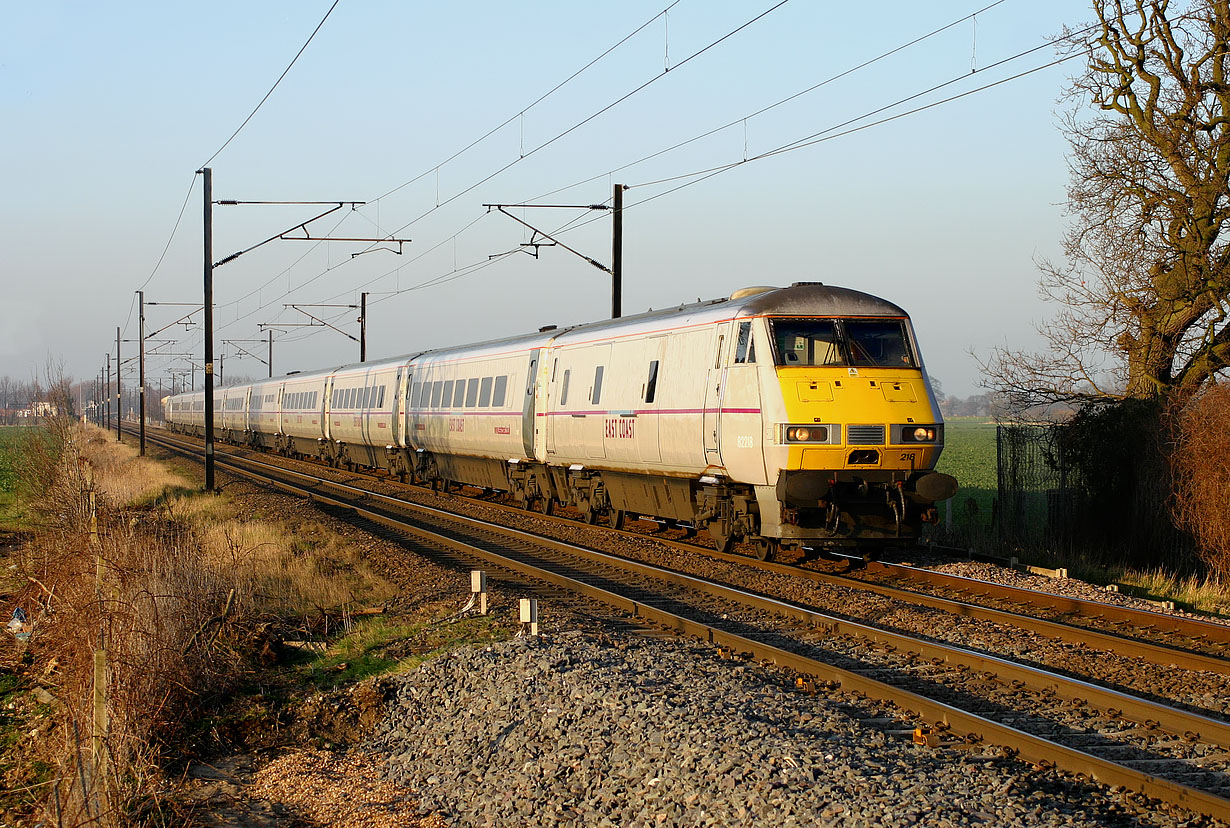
<point>799,299</point>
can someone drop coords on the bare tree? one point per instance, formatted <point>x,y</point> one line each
<point>1143,296</point>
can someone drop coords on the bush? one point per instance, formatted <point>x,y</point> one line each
<point>1201,467</point>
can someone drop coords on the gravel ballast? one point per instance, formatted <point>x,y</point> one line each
<point>629,731</point>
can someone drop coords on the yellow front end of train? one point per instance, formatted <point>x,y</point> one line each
<point>853,439</point>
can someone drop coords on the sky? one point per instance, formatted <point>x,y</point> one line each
<point>110,109</point>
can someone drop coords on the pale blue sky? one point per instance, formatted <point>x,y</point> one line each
<point>108,110</point>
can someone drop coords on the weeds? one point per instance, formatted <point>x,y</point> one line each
<point>173,590</point>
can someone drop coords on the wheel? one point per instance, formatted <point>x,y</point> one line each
<point>542,505</point>
<point>616,518</point>
<point>723,542</point>
<point>767,548</point>
<point>589,514</point>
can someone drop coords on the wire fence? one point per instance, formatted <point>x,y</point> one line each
<point>1060,494</point>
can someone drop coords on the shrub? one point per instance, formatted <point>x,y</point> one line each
<point>1201,467</point>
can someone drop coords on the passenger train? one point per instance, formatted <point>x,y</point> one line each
<point>798,416</point>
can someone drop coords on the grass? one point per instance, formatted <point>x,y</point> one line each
<point>379,646</point>
<point>13,440</point>
<point>969,455</point>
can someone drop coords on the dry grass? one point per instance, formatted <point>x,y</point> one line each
<point>276,565</point>
<point>171,587</point>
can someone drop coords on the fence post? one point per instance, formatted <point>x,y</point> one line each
<point>98,740</point>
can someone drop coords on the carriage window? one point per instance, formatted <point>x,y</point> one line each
<point>459,394</point>
<point>415,392</point>
<point>446,398</point>
<point>563,394</point>
<point>484,393</point>
<point>501,389</point>
<point>745,348</point>
<point>597,385</point>
<point>472,393</point>
<point>651,384</point>
<point>437,390</point>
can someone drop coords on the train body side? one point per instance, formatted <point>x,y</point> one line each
<point>792,415</point>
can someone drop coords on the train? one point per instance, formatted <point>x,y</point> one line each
<point>791,417</point>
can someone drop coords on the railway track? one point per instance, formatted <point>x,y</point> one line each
<point>1164,639</point>
<point>1175,755</point>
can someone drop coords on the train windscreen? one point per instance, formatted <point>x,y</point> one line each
<point>860,343</point>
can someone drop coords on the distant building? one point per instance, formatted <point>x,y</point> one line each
<point>37,409</point>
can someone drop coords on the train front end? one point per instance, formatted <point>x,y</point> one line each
<point>852,428</point>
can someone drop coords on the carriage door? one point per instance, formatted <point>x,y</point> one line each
<point>527,404</point>
<point>368,398</point>
<point>714,391</point>
<point>651,390</point>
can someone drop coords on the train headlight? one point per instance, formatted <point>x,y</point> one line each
<point>807,434</point>
<point>919,434</point>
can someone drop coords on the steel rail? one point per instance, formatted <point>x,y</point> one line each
<point>1129,706</point>
<point>1120,644</point>
<point>968,725</point>
<point>1144,619</point>
<point>1178,722</point>
<point>1123,645</point>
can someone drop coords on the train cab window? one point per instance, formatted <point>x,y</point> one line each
<point>472,393</point>
<point>446,398</point>
<point>878,342</point>
<point>808,342</point>
<point>745,348</point>
<point>563,394</point>
<point>484,393</point>
<point>459,394</point>
<point>437,391</point>
<point>597,385</point>
<point>500,391</point>
<point>651,384</point>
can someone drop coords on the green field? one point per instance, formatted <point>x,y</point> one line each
<point>13,440</point>
<point>969,456</point>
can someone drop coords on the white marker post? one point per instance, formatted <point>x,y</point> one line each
<point>478,586</point>
<point>529,614</point>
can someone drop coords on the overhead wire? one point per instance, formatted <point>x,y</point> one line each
<point>821,136</point>
<point>192,184</point>
<point>520,114</point>
<point>572,128</point>
<point>838,130</point>
<point>474,143</point>
<point>743,119</point>
<point>596,114</point>
<point>285,71</point>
